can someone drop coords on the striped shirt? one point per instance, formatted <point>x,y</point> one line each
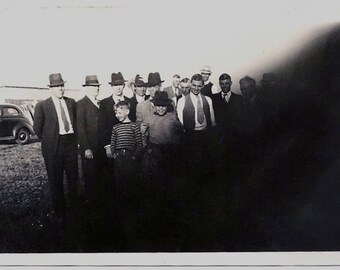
<point>127,136</point>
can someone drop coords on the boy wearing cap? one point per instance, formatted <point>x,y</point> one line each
<point>163,136</point>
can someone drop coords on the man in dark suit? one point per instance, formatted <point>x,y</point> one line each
<point>139,90</point>
<point>89,130</point>
<point>55,125</point>
<point>106,106</point>
<point>226,104</point>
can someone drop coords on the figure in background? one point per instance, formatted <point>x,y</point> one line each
<point>208,88</point>
<point>139,89</point>
<point>184,87</point>
<point>174,90</point>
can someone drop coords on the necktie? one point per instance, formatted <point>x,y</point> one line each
<point>200,113</point>
<point>176,91</point>
<point>63,117</point>
<point>225,97</point>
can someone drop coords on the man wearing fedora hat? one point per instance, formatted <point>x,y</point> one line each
<point>209,88</point>
<point>89,137</point>
<point>139,90</point>
<point>106,106</point>
<point>55,125</point>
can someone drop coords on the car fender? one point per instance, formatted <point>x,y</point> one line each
<point>19,126</point>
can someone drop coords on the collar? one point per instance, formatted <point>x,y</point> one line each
<point>225,95</point>
<point>116,98</point>
<point>207,82</point>
<point>139,98</point>
<point>93,100</point>
<point>55,99</point>
<point>193,96</point>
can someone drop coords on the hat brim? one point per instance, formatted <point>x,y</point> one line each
<point>95,84</point>
<point>140,85</point>
<point>206,71</point>
<point>153,84</point>
<point>161,103</point>
<point>56,85</point>
<point>118,82</point>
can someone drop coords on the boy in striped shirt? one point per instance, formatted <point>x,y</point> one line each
<point>126,146</point>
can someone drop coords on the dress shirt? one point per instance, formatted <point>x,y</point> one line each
<point>214,89</point>
<point>116,99</point>
<point>57,102</point>
<point>140,99</point>
<point>194,99</point>
<point>227,96</point>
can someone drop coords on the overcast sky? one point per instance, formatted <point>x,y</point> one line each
<point>78,38</point>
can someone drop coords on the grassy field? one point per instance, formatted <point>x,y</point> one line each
<point>25,204</point>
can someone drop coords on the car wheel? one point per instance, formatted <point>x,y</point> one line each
<point>23,136</point>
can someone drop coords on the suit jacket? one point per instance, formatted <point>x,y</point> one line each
<point>89,127</point>
<point>171,92</point>
<point>108,117</point>
<point>227,114</point>
<point>46,125</point>
<point>133,106</point>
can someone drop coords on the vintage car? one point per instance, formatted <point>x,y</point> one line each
<point>15,124</point>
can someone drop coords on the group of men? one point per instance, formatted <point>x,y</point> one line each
<point>215,133</point>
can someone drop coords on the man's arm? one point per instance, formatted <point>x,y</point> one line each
<point>139,114</point>
<point>39,117</point>
<point>180,107</point>
<point>82,127</point>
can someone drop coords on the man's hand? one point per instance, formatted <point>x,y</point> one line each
<point>108,151</point>
<point>143,128</point>
<point>89,154</point>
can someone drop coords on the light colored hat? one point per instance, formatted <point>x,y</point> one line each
<point>206,69</point>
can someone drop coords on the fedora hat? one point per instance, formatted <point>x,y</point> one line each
<point>91,80</point>
<point>117,78</point>
<point>268,77</point>
<point>206,69</point>
<point>56,80</point>
<point>154,79</point>
<point>161,99</point>
<point>139,81</point>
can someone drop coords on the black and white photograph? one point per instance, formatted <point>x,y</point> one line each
<point>170,128</point>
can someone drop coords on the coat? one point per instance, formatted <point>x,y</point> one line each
<point>89,127</point>
<point>46,125</point>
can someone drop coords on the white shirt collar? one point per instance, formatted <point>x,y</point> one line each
<point>140,99</point>
<point>116,98</point>
<point>93,100</point>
